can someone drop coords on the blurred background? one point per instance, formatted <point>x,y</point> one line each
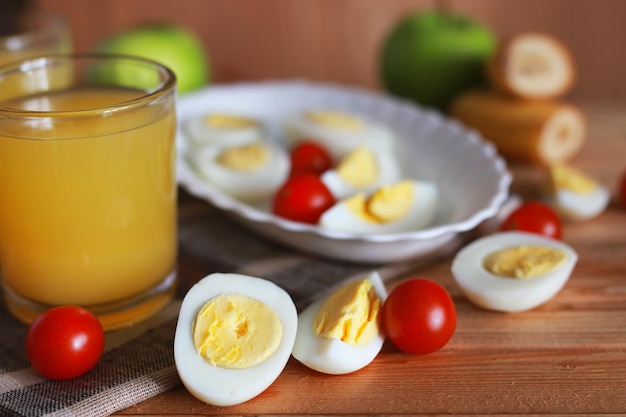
<point>339,40</point>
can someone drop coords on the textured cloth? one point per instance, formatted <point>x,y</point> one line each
<point>138,362</point>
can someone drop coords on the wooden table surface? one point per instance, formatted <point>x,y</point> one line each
<point>565,357</point>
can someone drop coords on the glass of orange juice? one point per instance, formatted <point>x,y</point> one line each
<point>87,186</point>
<point>25,32</point>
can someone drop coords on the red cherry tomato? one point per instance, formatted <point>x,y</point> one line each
<point>622,189</point>
<point>64,342</point>
<point>302,198</point>
<point>419,316</point>
<point>534,217</point>
<point>310,157</point>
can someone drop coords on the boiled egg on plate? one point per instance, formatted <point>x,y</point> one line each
<point>575,195</point>
<point>362,170</point>
<point>404,206</point>
<point>513,271</point>
<point>233,338</point>
<point>222,129</point>
<point>337,131</point>
<point>340,333</point>
<point>251,172</point>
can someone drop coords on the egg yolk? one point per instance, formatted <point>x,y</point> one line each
<point>392,202</point>
<point>334,119</point>
<point>523,262</point>
<point>568,178</point>
<point>245,158</point>
<point>349,314</point>
<point>359,168</point>
<point>234,331</point>
<point>386,204</point>
<point>357,205</point>
<point>222,121</point>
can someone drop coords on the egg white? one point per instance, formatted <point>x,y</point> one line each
<point>333,356</point>
<point>388,173</point>
<point>422,212</point>
<point>493,292</point>
<point>250,186</point>
<point>220,386</point>
<point>338,142</point>
<point>201,134</point>
<point>574,206</point>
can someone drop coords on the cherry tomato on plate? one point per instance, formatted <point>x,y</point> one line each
<point>534,217</point>
<point>419,316</point>
<point>309,157</point>
<point>302,198</point>
<point>64,342</point>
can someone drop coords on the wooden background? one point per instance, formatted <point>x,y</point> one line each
<point>339,40</point>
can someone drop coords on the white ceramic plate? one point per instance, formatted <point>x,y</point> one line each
<point>473,180</point>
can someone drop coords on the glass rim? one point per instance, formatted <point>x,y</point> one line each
<point>165,87</point>
<point>53,25</point>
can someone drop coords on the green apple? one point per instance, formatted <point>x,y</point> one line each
<point>169,44</point>
<point>431,56</point>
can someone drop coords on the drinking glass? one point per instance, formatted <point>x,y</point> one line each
<point>32,33</point>
<point>87,186</point>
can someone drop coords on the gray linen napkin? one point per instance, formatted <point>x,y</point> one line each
<point>138,362</point>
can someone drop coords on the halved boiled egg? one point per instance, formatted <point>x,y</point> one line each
<point>339,132</point>
<point>341,333</point>
<point>222,129</point>
<point>362,170</point>
<point>233,338</point>
<point>250,172</point>
<point>404,206</point>
<point>513,271</point>
<point>576,195</point>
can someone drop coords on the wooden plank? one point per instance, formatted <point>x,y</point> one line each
<point>443,383</point>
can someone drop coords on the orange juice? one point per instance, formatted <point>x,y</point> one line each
<point>26,33</point>
<point>87,198</point>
